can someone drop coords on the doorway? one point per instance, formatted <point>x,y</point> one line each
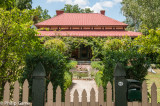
<point>84,52</point>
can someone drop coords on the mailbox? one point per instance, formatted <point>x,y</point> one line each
<point>134,89</point>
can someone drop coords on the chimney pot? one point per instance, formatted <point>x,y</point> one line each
<point>59,12</point>
<point>102,12</point>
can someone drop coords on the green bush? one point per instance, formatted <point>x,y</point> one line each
<point>56,44</point>
<point>67,79</point>
<point>97,65</point>
<point>158,62</point>
<point>72,64</point>
<point>55,64</point>
<point>150,45</point>
<point>136,64</point>
<point>93,74</point>
<point>98,78</point>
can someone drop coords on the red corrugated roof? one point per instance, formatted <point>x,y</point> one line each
<point>80,19</point>
<point>89,33</point>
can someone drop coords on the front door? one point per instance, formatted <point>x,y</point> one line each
<point>84,52</point>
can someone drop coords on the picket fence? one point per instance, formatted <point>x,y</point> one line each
<point>25,95</point>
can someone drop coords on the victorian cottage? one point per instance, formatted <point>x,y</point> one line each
<point>84,25</point>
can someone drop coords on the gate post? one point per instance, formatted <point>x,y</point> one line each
<point>120,86</point>
<point>38,86</point>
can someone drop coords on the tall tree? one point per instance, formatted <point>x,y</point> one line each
<point>16,39</point>
<point>7,4</point>
<point>142,13</point>
<point>21,4</point>
<point>76,9</point>
<point>150,45</point>
<point>24,4</point>
<point>41,15</point>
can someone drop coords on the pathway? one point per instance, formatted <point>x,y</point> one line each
<point>83,84</point>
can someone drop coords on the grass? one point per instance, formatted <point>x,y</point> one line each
<point>79,75</point>
<point>151,78</point>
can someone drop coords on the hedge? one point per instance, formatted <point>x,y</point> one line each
<point>55,64</point>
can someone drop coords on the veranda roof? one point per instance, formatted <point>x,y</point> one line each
<point>89,33</point>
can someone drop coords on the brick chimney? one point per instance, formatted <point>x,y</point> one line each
<point>102,12</point>
<point>59,12</point>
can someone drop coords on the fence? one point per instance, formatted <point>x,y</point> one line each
<point>25,95</point>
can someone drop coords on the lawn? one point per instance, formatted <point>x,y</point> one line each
<point>151,78</point>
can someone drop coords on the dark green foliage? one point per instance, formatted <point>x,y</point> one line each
<point>136,64</point>
<point>75,9</point>
<point>23,4</point>
<point>125,51</point>
<point>7,4</point>
<point>17,38</point>
<point>41,15</point>
<point>20,4</point>
<point>141,15</point>
<point>55,65</point>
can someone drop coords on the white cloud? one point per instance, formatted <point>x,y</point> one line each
<point>101,5</point>
<point>68,1</point>
<point>65,1</point>
<point>97,7</point>
<point>107,4</point>
<point>117,1</point>
<point>48,1</point>
<point>81,3</point>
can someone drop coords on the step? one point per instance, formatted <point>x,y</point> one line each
<point>84,62</point>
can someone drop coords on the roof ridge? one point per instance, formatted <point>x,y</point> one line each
<point>114,19</point>
<point>81,13</point>
<point>50,18</point>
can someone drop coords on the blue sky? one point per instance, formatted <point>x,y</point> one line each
<point>112,7</point>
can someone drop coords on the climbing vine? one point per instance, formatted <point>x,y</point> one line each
<point>96,44</point>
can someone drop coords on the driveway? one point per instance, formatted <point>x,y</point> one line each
<point>83,84</point>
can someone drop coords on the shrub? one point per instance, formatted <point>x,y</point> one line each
<point>97,65</point>
<point>67,79</point>
<point>136,64</point>
<point>57,44</point>
<point>150,45</point>
<point>98,78</point>
<point>55,64</point>
<point>72,64</point>
<point>93,73</point>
